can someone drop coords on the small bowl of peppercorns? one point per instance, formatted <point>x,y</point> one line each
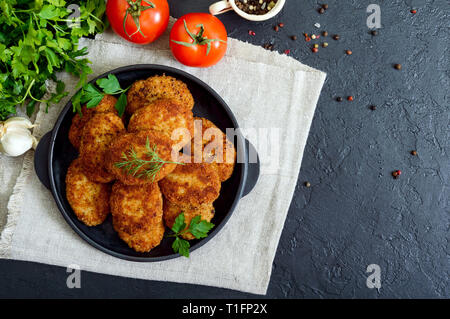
<point>253,10</point>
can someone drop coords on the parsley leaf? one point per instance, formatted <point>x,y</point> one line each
<point>200,228</point>
<point>48,12</point>
<point>91,95</point>
<point>181,246</point>
<point>121,104</point>
<point>109,85</point>
<point>179,224</point>
<point>197,227</point>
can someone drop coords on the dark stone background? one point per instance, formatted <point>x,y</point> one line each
<point>355,213</point>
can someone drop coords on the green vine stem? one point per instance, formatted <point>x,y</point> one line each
<point>135,10</point>
<point>198,39</point>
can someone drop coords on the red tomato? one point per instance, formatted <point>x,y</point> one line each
<point>198,39</point>
<point>146,28</point>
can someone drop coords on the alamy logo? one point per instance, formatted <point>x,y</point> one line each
<point>73,20</point>
<point>374,19</point>
<point>74,279</point>
<point>374,279</point>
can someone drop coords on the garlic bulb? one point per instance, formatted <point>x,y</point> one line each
<point>15,136</point>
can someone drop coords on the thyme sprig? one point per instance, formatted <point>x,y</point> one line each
<point>138,167</point>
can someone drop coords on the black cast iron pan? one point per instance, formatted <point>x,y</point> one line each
<point>55,153</point>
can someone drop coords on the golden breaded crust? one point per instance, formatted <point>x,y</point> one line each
<point>136,208</point>
<point>213,147</point>
<point>76,129</point>
<point>166,117</point>
<point>171,212</point>
<point>107,104</point>
<point>137,142</point>
<point>193,184</point>
<point>97,136</point>
<point>145,240</point>
<point>89,200</point>
<point>143,92</point>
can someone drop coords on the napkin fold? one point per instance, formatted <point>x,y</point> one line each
<point>273,98</point>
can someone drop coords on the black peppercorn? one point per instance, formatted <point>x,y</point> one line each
<point>339,99</point>
<point>336,37</point>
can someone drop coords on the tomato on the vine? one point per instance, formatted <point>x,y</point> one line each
<point>198,39</point>
<point>138,21</point>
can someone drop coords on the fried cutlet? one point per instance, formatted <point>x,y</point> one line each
<point>146,240</point>
<point>143,92</point>
<point>137,214</point>
<point>107,104</point>
<point>191,184</point>
<point>132,148</point>
<point>89,200</point>
<point>135,207</point>
<point>213,147</point>
<point>98,133</point>
<point>171,212</point>
<point>166,117</point>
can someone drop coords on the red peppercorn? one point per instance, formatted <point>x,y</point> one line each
<point>287,51</point>
<point>281,24</point>
<point>396,174</point>
<point>349,52</point>
<point>251,32</point>
<point>307,39</point>
<point>413,11</point>
<point>315,50</point>
<point>350,98</point>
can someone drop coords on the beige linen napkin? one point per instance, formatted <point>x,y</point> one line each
<point>264,90</point>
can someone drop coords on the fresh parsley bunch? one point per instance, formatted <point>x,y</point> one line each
<point>37,39</point>
<point>197,227</point>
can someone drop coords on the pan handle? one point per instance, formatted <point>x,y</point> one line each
<point>41,159</point>
<point>252,160</point>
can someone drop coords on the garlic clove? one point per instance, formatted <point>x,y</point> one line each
<point>18,122</point>
<point>16,142</point>
<point>17,129</point>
